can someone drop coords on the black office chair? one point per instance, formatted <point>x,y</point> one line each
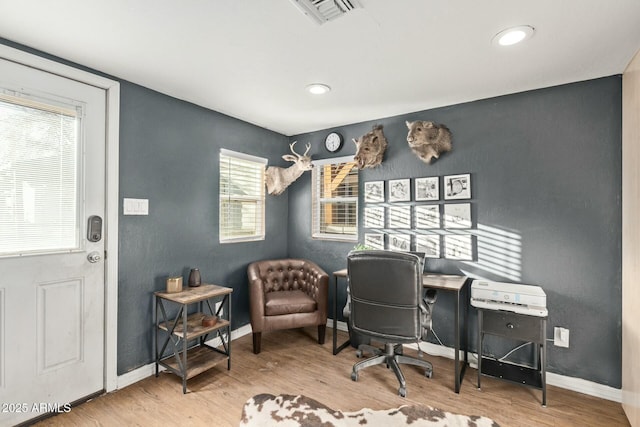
<point>387,306</point>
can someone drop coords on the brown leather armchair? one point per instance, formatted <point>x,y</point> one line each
<point>286,294</point>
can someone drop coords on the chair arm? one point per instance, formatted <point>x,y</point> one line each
<point>427,310</point>
<point>320,289</point>
<point>256,291</point>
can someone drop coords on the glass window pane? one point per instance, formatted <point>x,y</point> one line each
<point>335,201</point>
<point>242,198</point>
<point>38,177</point>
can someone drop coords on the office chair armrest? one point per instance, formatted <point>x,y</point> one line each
<point>427,310</point>
<point>431,297</point>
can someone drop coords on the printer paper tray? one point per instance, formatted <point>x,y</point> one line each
<point>515,308</point>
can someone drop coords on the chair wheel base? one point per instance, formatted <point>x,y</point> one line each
<point>428,373</point>
<point>354,376</point>
<point>402,392</point>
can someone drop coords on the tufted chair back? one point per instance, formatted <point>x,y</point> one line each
<point>289,275</point>
<point>287,293</point>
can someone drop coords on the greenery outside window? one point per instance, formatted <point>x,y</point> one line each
<point>242,197</point>
<point>335,199</point>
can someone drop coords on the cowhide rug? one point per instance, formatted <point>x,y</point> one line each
<point>287,410</point>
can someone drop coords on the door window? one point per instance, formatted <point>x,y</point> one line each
<point>39,175</point>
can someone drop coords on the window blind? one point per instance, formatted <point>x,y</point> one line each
<point>335,199</point>
<point>39,188</point>
<point>242,197</point>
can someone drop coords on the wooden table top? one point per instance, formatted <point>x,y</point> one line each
<point>194,294</point>
<point>450,282</point>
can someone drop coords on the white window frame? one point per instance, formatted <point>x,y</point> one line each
<point>316,201</point>
<point>259,198</point>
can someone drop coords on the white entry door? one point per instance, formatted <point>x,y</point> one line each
<point>52,279</point>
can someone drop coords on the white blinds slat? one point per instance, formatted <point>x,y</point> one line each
<point>38,176</point>
<point>335,200</point>
<point>242,198</point>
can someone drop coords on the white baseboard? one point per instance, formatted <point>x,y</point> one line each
<point>574,384</point>
<point>569,383</point>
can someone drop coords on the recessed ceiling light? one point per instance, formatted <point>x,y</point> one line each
<point>318,88</point>
<point>513,35</point>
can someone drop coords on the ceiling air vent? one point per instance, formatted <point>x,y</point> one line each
<point>321,11</point>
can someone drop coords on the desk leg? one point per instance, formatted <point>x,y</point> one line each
<point>459,371</point>
<point>335,314</point>
<point>336,349</point>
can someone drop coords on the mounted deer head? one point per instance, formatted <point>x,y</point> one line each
<point>278,179</point>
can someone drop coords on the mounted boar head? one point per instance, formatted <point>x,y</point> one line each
<point>278,179</point>
<point>428,140</point>
<point>370,148</point>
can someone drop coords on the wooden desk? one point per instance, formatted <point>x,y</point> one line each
<point>442,282</point>
<point>457,284</point>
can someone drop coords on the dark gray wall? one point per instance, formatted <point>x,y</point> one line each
<point>546,206</point>
<point>169,154</point>
<point>546,170</point>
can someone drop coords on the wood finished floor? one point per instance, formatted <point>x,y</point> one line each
<point>292,362</point>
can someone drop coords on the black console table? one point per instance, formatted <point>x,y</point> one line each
<point>528,328</point>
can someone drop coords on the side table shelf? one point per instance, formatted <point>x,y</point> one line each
<point>184,350</point>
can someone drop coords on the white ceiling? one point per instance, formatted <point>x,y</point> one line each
<point>252,59</point>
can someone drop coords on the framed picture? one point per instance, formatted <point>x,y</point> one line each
<point>374,191</point>
<point>457,215</point>
<point>457,187</point>
<point>427,189</point>
<point>458,246</point>
<point>399,242</point>
<point>400,217</point>
<point>427,216</point>
<point>429,244</point>
<point>374,240</point>
<point>400,190</point>
<point>374,217</point>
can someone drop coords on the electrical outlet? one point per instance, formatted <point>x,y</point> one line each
<point>561,337</point>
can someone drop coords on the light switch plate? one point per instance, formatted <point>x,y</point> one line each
<point>135,206</point>
<point>561,337</point>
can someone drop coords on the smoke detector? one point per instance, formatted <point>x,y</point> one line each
<point>321,11</point>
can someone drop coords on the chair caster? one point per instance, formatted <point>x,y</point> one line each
<point>402,392</point>
<point>358,354</point>
<point>428,373</point>
<point>354,376</point>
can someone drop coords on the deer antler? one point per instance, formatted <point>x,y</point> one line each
<point>292,150</point>
<point>305,153</point>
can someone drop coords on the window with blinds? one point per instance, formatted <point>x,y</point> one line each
<point>242,197</point>
<point>39,188</point>
<point>335,199</point>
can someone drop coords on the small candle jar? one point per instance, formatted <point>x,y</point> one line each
<point>174,284</point>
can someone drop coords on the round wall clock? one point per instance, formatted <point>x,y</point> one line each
<point>333,142</point>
